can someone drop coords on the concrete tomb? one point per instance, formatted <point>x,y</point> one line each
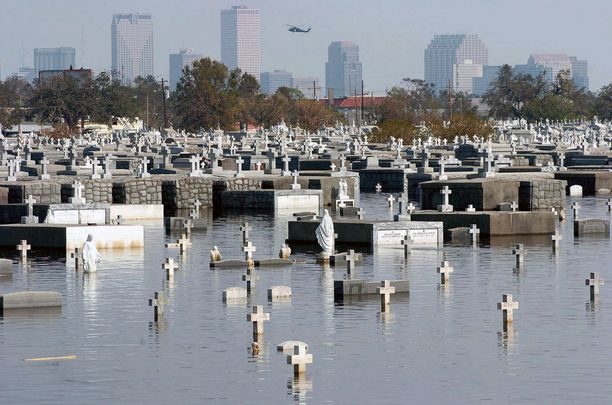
<point>279,292</point>
<point>29,300</point>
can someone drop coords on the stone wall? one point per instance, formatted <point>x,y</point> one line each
<point>44,192</point>
<point>138,191</point>
<point>542,195</point>
<point>99,191</point>
<point>186,190</point>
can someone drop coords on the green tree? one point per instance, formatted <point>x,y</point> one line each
<point>15,94</point>
<point>603,103</point>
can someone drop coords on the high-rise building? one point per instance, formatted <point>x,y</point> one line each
<point>580,73</point>
<point>309,86</point>
<point>343,70</point>
<point>54,58</point>
<point>178,61</point>
<point>240,43</point>
<point>132,46</point>
<point>271,81</point>
<point>464,74</point>
<point>480,85</point>
<point>447,50</point>
<point>552,64</point>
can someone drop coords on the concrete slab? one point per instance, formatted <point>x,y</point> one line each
<point>68,237</point>
<point>140,211</point>
<point>591,226</point>
<point>30,299</point>
<point>495,223</point>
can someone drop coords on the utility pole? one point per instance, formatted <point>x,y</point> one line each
<point>450,100</point>
<point>314,89</point>
<point>361,120</point>
<point>164,100</point>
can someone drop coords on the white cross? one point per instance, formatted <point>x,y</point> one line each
<point>342,160</point>
<point>378,188</point>
<point>360,213</point>
<point>76,255</point>
<point>514,206</point>
<point>30,201</point>
<point>295,175</point>
<point>474,231</point>
<point>248,250</point>
<point>170,266</point>
<point>507,306</point>
<point>518,251</point>
<point>403,201</point>
<point>286,161</point>
<point>187,225</point>
<point>24,247</point>
<point>575,209</point>
<point>555,240</point>
<point>390,200</point>
<point>332,167</point>
<point>594,281</point>
<point>470,208</point>
<point>183,243</point>
<point>445,270</point>
<point>299,359</point>
<point>350,261</point>
<point>196,207</point>
<point>385,290</point>
<point>257,318</point>
<point>609,203</point>
<point>78,192</point>
<point>250,277</point>
<point>239,163</point>
<point>258,166</point>
<point>446,192</point>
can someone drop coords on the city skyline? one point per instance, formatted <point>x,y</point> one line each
<point>404,29</point>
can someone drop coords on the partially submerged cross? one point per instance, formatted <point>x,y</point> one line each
<point>385,290</point>
<point>248,250</point>
<point>257,317</point>
<point>24,247</point>
<point>445,270</point>
<point>299,359</point>
<point>157,302</point>
<point>507,306</point>
<point>594,281</point>
<point>170,266</point>
<point>245,229</point>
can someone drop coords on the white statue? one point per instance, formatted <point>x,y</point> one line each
<point>215,255</point>
<point>342,190</point>
<point>91,256</point>
<point>325,234</point>
<point>285,251</point>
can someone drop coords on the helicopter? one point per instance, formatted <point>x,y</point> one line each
<point>293,28</point>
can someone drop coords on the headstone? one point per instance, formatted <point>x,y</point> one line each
<point>77,188</point>
<point>234,293</point>
<point>385,290</point>
<point>575,190</point>
<point>350,262</point>
<point>555,240</point>
<point>257,317</point>
<point>474,232</point>
<point>30,218</point>
<point>277,292</point>
<point>519,253</point>
<point>169,266</point>
<point>299,359</point>
<point>157,302</point>
<point>593,282</point>
<point>23,247</point>
<point>445,207</point>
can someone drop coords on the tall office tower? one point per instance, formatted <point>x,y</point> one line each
<point>240,43</point>
<point>463,76</point>
<point>309,86</point>
<point>549,64</point>
<point>132,46</point>
<point>580,73</point>
<point>480,85</point>
<point>446,50</point>
<point>178,61</point>
<point>343,71</point>
<point>54,58</point>
<point>271,81</point>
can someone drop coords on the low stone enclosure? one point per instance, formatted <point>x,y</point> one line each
<point>175,192</point>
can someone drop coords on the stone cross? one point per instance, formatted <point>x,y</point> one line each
<point>575,209</point>
<point>332,167</point>
<point>555,240</point>
<point>475,232</point>
<point>170,266</point>
<point>76,255</point>
<point>187,225</point>
<point>470,208</point>
<point>183,244</point>
<point>342,160</point>
<point>385,290</point>
<point>196,208</point>
<point>196,171</point>
<point>507,306</point>
<point>258,166</point>
<point>24,247</point>
<point>30,201</point>
<point>157,302</point>
<point>94,169</point>
<point>407,243</point>
<point>594,281</point>
<point>295,185</point>
<point>107,167</point>
<point>271,155</point>
<point>239,163</point>
<point>403,203</point>
<point>248,250</point>
<point>360,213</point>
<point>257,317</point>
<point>445,270</point>
<point>446,192</point>
<point>609,204</point>
<point>378,188</point>
<point>286,159</point>
<point>299,359</point>
<point>78,188</point>
<point>514,206</point>
<point>350,261</point>
<point>45,165</point>
<point>519,252</point>
<point>390,200</point>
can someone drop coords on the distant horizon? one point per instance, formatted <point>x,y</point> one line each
<point>404,30</point>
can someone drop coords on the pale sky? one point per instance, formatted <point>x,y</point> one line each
<point>392,34</point>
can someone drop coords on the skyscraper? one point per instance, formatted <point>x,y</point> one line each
<point>343,71</point>
<point>445,51</point>
<point>54,58</point>
<point>240,43</point>
<point>580,73</point>
<point>132,46</point>
<point>463,76</point>
<point>553,64</point>
<point>272,81</point>
<point>177,62</point>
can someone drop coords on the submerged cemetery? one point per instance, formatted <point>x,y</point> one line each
<point>281,264</point>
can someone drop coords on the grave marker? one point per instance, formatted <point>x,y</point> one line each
<point>23,247</point>
<point>257,317</point>
<point>444,270</point>
<point>299,359</point>
<point>593,282</point>
<point>507,306</point>
<point>385,290</point>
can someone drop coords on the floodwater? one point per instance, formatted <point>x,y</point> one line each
<point>439,344</point>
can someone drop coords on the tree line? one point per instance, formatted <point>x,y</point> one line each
<point>209,95</point>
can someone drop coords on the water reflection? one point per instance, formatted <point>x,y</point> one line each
<point>298,388</point>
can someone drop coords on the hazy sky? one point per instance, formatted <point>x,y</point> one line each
<point>392,34</point>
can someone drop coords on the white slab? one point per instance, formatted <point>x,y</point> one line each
<point>301,202</point>
<point>132,211</point>
<point>424,236</point>
<point>106,237</point>
<point>97,217</point>
<point>62,217</point>
<point>390,236</point>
